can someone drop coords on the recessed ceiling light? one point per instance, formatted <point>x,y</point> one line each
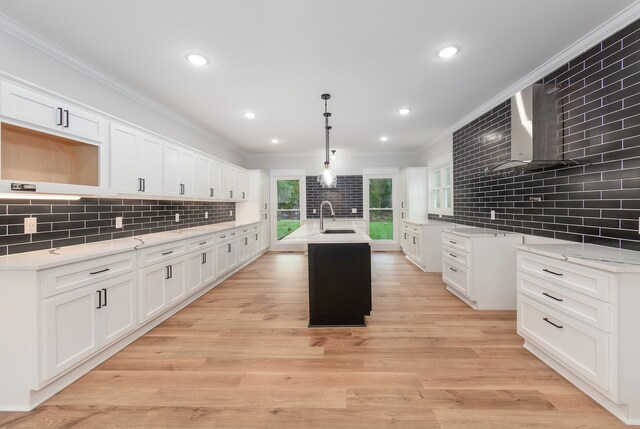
<point>404,111</point>
<point>384,139</point>
<point>275,141</point>
<point>197,59</point>
<point>249,115</point>
<point>447,52</point>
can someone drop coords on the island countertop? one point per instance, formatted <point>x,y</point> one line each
<point>309,233</point>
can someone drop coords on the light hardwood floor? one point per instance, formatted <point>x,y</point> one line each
<point>242,357</point>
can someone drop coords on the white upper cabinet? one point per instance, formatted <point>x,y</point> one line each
<point>179,171</point>
<point>264,191</point>
<point>207,179</point>
<point>413,193</point>
<point>36,109</point>
<point>242,185</point>
<point>136,162</point>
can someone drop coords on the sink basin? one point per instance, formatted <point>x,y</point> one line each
<point>339,231</point>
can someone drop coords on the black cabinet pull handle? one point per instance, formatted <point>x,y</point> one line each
<point>265,216</point>
<point>167,253</point>
<point>144,185</point>
<point>256,237</point>
<point>139,184</point>
<point>552,297</point>
<point>99,299</point>
<point>230,194</point>
<point>453,269</point>
<point>204,258</point>
<point>246,241</point>
<point>551,272</point>
<point>59,109</point>
<point>453,242</point>
<point>202,242</point>
<point>546,319</point>
<point>451,254</point>
<point>265,206</point>
<point>170,271</point>
<point>211,192</point>
<point>229,248</point>
<point>223,236</point>
<point>105,297</point>
<point>66,115</point>
<point>243,196</point>
<point>101,271</point>
<point>167,276</point>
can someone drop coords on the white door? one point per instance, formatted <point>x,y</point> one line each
<point>150,162</point>
<point>188,173</point>
<point>30,107</point>
<point>80,123</point>
<point>125,156</point>
<point>171,163</point>
<point>194,272</point>
<point>208,266</point>
<point>176,286</point>
<point>222,258</point>
<point>119,307</point>
<point>214,180</point>
<point>152,291</point>
<point>70,328</point>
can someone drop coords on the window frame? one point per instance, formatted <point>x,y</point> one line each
<point>440,165</point>
<point>383,173</point>
<point>285,174</point>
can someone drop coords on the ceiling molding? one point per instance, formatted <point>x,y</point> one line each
<point>598,34</point>
<point>320,153</point>
<point>34,39</point>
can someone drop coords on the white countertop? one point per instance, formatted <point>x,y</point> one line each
<point>590,255</point>
<point>43,259</point>
<point>309,233</point>
<point>479,232</point>
<point>429,222</point>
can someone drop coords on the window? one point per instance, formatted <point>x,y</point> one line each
<point>381,208</point>
<point>441,185</point>
<point>288,209</point>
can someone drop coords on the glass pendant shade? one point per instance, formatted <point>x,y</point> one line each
<point>327,177</point>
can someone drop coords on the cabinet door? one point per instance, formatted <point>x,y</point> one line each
<point>81,123</point>
<point>255,243</point>
<point>150,161</point>
<point>119,307</point>
<point>242,185</point>
<point>125,156</point>
<point>70,329</point>
<point>224,183</point>
<point>194,272</point>
<point>404,186</point>
<point>231,183</point>
<point>214,180</point>
<point>232,256</point>
<point>188,173</point>
<point>244,249</point>
<point>171,170</point>
<point>152,291</point>
<point>264,231</point>
<point>203,184</point>
<point>208,266</point>
<point>176,286</point>
<point>30,107</point>
<point>264,192</point>
<point>222,259</point>
<point>418,248</point>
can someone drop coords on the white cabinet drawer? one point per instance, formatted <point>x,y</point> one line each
<point>245,230</point>
<point>578,278</point>
<point>583,349</point>
<point>162,253</point>
<point>226,235</point>
<point>583,308</point>
<point>453,254</point>
<point>201,242</point>
<point>73,276</point>
<point>456,242</point>
<point>457,277</point>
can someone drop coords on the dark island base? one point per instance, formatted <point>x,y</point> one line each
<point>339,284</point>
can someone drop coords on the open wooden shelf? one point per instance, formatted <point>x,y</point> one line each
<point>33,156</point>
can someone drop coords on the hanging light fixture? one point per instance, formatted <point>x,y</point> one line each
<point>327,177</point>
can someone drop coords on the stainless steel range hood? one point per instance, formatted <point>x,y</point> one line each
<point>536,130</point>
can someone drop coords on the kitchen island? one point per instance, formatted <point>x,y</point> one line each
<point>339,275</point>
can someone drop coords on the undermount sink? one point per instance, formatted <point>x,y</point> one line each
<point>339,231</point>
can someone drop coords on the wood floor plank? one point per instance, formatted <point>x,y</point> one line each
<point>242,356</point>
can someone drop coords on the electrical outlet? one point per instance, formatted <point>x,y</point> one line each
<point>314,211</point>
<point>440,216</point>
<point>354,210</point>
<point>230,213</point>
<point>119,222</point>
<point>206,215</point>
<point>177,217</point>
<point>493,215</point>
<point>30,225</point>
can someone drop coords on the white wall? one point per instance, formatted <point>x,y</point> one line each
<point>434,149</point>
<point>346,162</point>
<point>23,60</point>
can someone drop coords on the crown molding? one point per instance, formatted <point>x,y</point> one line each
<point>614,24</point>
<point>34,39</point>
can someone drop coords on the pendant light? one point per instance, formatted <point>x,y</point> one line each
<point>327,177</point>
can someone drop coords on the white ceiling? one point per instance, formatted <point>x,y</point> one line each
<point>276,57</point>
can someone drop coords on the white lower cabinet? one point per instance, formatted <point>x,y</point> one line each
<point>421,243</point>
<point>226,256</point>
<point>200,269</point>
<point>161,286</point>
<point>79,322</point>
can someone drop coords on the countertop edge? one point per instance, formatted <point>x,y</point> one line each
<point>600,265</point>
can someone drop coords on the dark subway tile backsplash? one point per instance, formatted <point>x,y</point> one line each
<point>346,196</point>
<point>597,203</point>
<point>66,223</point>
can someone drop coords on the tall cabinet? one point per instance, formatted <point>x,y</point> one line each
<point>414,193</point>
<point>256,206</point>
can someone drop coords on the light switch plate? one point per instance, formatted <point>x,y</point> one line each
<point>230,212</point>
<point>119,222</point>
<point>354,210</point>
<point>314,211</point>
<point>30,225</point>
<point>177,217</point>
<point>206,215</point>
<point>493,215</point>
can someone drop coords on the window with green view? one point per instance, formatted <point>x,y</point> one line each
<point>381,209</point>
<point>288,210</point>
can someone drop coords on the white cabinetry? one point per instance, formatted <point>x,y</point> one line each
<point>179,169</point>
<point>422,244</point>
<point>162,284</point>
<point>136,162</point>
<point>582,321</point>
<point>200,269</point>
<point>208,179</point>
<point>50,113</point>
<point>414,193</point>
<point>478,266</point>
<point>256,207</point>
